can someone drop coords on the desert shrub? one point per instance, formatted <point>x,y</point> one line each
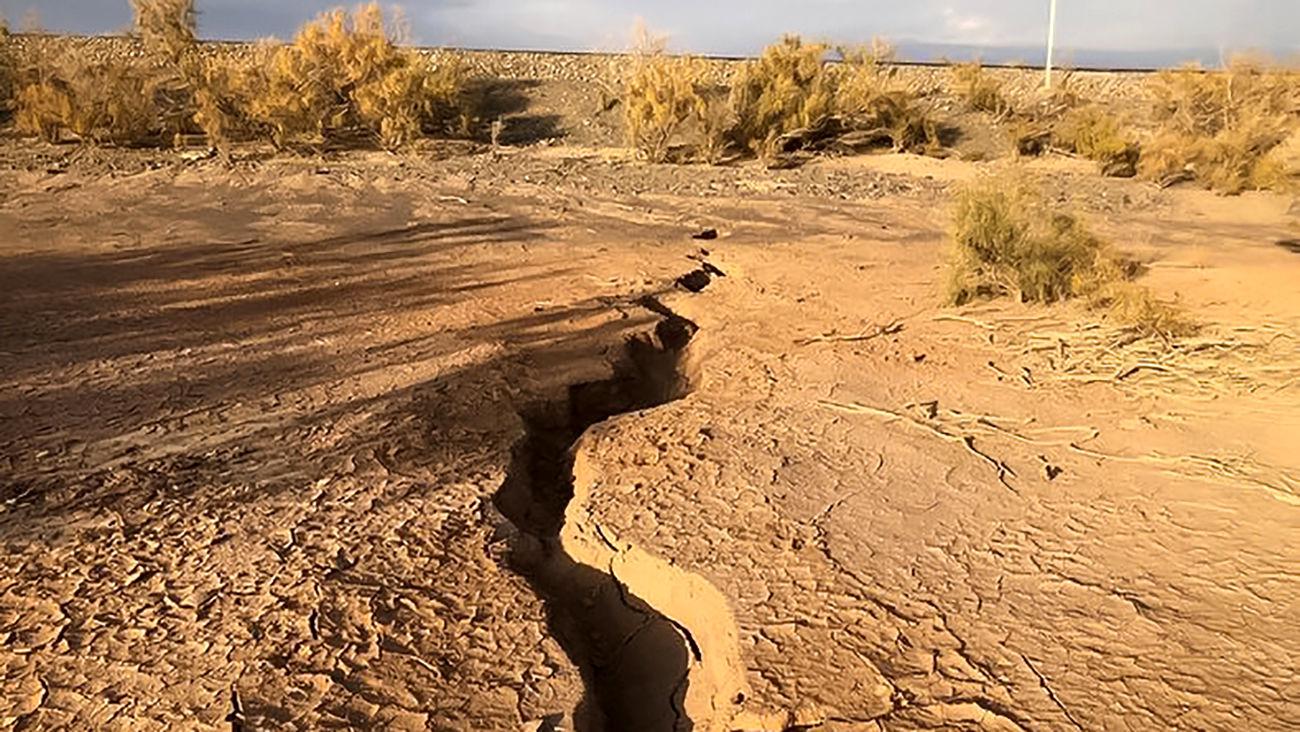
<point>661,96</point>
<point>789,99</point>
<point>1007,241</point>
<point>863,76</point>
<point>1096,134</point>
<point>65,92</point>
<point>1031,136</point>
<point>1136,310</point>
<point>1092,132</point>
<point>782,106</point>
<point>715,122</point>
<point>866,96</point>
<point>343,77</point>
<point>786,88</point>
<point>8,70</point>
<point>979,91</point>
<point>167,29</point>
<point>344,74</point>
<point>62,91</point>
<point>1221,127</point>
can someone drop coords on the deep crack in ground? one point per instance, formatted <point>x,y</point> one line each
<point>636,661</point>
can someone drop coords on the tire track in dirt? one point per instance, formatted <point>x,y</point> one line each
<point>658,646</point>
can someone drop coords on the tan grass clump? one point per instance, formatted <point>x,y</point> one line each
<point>980,91</point>
<point>1093,133</point>
<point>1137,311</point>
<point>1221,127</point>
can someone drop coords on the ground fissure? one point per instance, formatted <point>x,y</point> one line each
<point>638,659</point>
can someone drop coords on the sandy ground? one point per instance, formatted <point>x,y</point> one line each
<point>397,443</point>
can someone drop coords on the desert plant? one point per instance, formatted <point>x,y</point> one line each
<point>978,90</point>
<point>1097,135</point>
<point>63,91</point>
<point>167,28</point>
<point>1007,241</point>
<point>1220,128</point>
<point>8,69</point>
<point>343,74</point>
<point>864,75</point>
<point>95,102</point>
<point>661,95</point>
<point>715,123</point>
<point>786,88</point>
<point>865,95</point>
<point>1092,132</point>
<point>1136,310</point>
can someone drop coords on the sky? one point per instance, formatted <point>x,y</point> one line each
<point>1089,31</point>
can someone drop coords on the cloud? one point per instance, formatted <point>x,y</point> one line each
<point>966,28</point>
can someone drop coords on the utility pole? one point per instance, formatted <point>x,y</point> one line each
<point>1051,42</point>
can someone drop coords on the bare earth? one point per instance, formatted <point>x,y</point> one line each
<point>397,443</point>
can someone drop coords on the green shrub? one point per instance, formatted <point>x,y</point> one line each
<point>1008,241</point>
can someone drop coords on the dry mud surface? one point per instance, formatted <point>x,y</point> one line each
<point>491,443</point>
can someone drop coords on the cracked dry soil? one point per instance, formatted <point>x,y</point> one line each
<point>490,443</point>
<point>644,668</point>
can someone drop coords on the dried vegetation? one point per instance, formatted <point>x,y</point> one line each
<point>787,103</point>
<point>343,79</point>
<point>1008,241</point>
<point>1221,128</point>
<point>1063,121</point>
<point>7,70</point>
<point>979,90</point>
<point>1091,131</point>
<point>663,96</point>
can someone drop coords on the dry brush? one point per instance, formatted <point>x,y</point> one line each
<point>788,102</point>
<point>1007,240</point>
<point>342,79</point>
